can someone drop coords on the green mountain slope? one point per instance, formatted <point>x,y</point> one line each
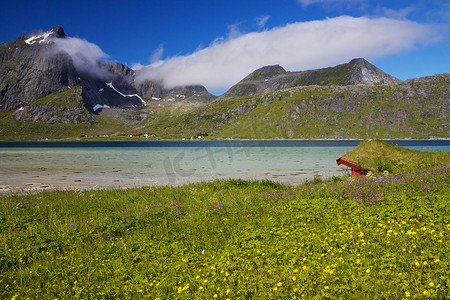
<point>381,107</point>
<point>416,109</point>
<point>273,78</point>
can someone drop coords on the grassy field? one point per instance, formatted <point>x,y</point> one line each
<point>342,238</point>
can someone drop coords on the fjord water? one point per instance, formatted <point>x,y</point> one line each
<point>128,164</point>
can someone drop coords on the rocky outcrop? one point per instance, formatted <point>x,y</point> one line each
<point>361,71</point>
<point>29,72</point>
<point>155,90</point>
<point>63,107</point>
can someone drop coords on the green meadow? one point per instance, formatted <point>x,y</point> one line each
<point>382,237</point>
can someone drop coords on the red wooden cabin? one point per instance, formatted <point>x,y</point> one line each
<point>357,171</point>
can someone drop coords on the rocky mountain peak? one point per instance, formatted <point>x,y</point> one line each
<point>365,72</point>
<point>271,78</point>
<point>59,32</point>
<point>44,37</point>
<point>359,61</point>
<point>265,73</point>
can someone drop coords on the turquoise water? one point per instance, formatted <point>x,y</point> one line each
<point>25,168</point>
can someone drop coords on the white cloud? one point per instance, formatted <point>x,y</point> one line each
<point>306,3</point>
<point>261,22</point>
<point>233,31</point>
<point>157,54</point>
<point>85,55</point>
<point>297,46</point>
<point>398,14</point>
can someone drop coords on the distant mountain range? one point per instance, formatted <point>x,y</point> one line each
<point>42,88</point>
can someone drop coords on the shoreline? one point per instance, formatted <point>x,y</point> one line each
<point>202,141</point>
<point>71,184</point>
<point>216,140</point>
<point>40,169</point>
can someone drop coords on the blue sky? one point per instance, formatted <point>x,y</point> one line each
<point>218,42</point>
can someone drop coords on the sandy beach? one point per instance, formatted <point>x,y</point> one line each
<point>45,180</point>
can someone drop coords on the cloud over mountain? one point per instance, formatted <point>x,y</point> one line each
<point>296,46</point>
<point>84,54</point>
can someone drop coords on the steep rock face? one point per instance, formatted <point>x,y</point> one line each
<point>364,72</point>
<point>29,72</point>
<point>272,78</point>
<point>150,89</point>
<point>113,89</point>
<point>63,107</point>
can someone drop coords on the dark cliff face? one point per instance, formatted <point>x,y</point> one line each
<point>63,107</point>
<point>272,78</point>
<point>113,89</point>
<point>30,72</point>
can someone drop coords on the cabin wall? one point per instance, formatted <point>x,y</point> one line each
<point>357,173</point>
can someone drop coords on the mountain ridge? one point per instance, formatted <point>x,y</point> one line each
<point>275,77</point>
<point>413,109</point>
<point>43,93</point>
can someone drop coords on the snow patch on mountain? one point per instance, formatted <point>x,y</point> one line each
<point>98,106</point>
<point>44,38</point>
<point>122,94</point>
